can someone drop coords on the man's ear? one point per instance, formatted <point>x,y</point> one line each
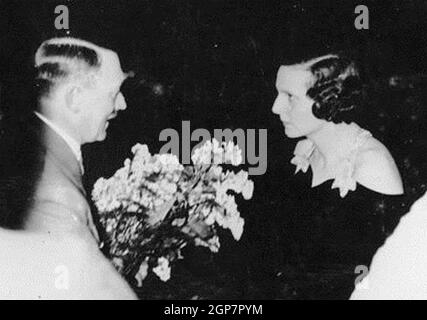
<point>73,98</point>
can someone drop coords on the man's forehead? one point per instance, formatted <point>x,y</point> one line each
<point>111,67</point>
<point>111,71</point>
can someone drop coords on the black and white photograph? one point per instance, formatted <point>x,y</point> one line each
<point>216,150</point>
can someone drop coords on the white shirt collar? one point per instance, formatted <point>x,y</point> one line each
<point>71,142</point>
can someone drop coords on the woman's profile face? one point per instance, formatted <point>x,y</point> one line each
<point>292,103</point>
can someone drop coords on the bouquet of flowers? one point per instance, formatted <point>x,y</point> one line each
<point>153,206</point>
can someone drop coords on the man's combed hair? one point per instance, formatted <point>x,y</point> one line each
<point>56,62</point>
<point>337,88</point>
<point>72,51</point>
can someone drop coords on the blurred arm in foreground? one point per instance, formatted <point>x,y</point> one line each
<point>399,268</point>
<point>39,266</point>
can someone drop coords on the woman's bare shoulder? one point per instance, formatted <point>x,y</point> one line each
<point>377,170</point>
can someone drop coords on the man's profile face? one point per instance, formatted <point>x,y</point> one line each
<point>102,101</point>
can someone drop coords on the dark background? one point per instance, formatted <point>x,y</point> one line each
<point>214,63</point>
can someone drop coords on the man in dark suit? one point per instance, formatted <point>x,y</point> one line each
<point>78,94</point>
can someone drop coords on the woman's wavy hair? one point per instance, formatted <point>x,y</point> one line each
<point>336,88</point>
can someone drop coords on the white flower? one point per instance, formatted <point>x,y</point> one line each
<point>142,273</point>
<point>219,218</point>
<point>210,220</point>
<point>205,211</point>
<point>248,190</point>
<point>163,270</point>
<point>178,222</point>
<point>230,205</point>
<point>232,154</point>
<point>220,192</point>
<point>212,243</point>
<point>216,171</point>
<point>133,208</point>
<point>167,187</point>
<point>203,154</point>
<point>169,162</point>
<point>217,152</point>
<point>235,225</point>
<point>111,225</point>
<point>141,150</point>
